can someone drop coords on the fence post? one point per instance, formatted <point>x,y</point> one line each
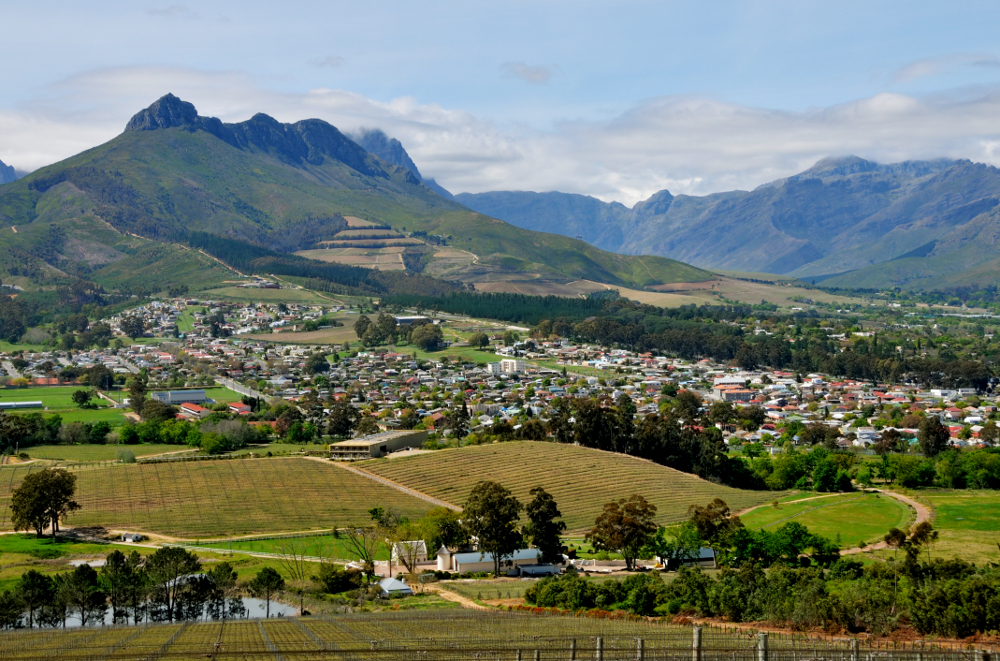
<point>600,649</point>
<point>696,644</point>
<point>640,652</point>
<point>538,655</point>
<point>854,649</point>
<point>572,649</point>
<point>762,646</point>
<point>517,655</point>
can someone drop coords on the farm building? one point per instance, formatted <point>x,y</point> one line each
<point>417,549</point>
<point>392,587</point>
<point>377,445</point>
<point>478,561</point>
<point>705,560</point>
<point>180,396</point>
<point>20,405</point>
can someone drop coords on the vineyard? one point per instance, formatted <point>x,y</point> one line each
<point>582,480</point>
<point>427,636</point>
<point>202,499</point>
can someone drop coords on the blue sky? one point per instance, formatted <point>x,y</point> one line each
<point>614,99</point>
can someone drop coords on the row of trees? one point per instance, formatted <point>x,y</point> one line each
<point>164,586</point>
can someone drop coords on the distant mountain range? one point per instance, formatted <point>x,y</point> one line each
<point>7,174</point>
<point>123,213</point>
<point>846,222</point>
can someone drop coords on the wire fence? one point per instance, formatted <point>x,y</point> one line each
<point>455,635</point>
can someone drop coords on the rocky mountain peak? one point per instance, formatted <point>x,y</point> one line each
<point>166,112</point>
<point>7,174</point>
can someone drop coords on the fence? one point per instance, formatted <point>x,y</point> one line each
<point>454,637</point>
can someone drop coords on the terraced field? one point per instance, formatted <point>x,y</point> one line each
<point>197,500</point>
<point>581,480</point>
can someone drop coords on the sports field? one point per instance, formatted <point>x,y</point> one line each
<point>582,480</point>
<point>213,499</point>
<point>968,523</point>
<point>855,519</point>
<point>59,400</point>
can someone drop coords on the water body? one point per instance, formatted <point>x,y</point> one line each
<point>254,608</point>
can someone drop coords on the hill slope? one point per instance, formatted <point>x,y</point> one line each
<point>920,224</point>
<point>581,480</point>
<point>282,186</point>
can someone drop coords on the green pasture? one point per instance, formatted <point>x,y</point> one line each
<point>326,546</point>
<point>96,452</point>
<point>855,519</point>
<point>265,295</point>
<point>59,400</point>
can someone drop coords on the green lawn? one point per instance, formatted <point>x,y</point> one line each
<point>7,347</point>
<point>266,295</point>
<point>222,395</point>
<point>855,519</point>
<point>185,322</point>
<point>96,452</point>
<point>59,400</point>
<point>325,546</point>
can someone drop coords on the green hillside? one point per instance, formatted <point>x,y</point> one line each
<point>281,186</point>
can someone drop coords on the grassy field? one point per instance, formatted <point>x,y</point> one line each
<point>326,546</point>
<point>581,480</point>
<point>59,400</point>
<point>97,452</point>
<point>967,522</point>
<point>264,295</point>
<point>855,519</point>
<point>213,499</point>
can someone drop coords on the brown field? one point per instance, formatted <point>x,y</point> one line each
<point>324,336</point>
<point>385,259</point>
<point>372,243</point>
<point>218,498</point>
<point>362,232</point>
<point>354,221</point>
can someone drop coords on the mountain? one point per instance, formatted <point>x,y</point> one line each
<point>7,174</point>
<point>125,212</point>
<point>390,150</point>
<point>847,221</point>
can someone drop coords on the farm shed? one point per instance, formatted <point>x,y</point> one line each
<point>392,587</point>
<point>477,561</point>
<point>416,548</point>
<point>377,445</point>
<point>180,396</point>
<point>20,405</point>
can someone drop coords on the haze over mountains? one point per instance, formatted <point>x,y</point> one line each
<point>7,173</point>
<point>846,222</point>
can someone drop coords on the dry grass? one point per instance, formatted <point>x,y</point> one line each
<point>581,480</point>
<point>196,500</point>
<point>324,336</point>
<point>385,261</point>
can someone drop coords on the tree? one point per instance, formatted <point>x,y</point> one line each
<point>82,398</point>
<point>676,543</point>
<point>890,442</point>
<point>81,591</point>
<point>264,585</point>
<point>989,433</point>
<point>167,569</point>
<point>364,544</point>
<point>132,326</point>
<point>316,363</point>
<point>124,582</point>
<point>543,529</point>
<point>137,393</point>
<point>480,340</point>
<point>42,499</point>
<point>367,425</point>
<point>443,527</point>
<point>428,337</point>
<point>156,411</point>
<point>491,515</point>
<point>361,325</point>
<point>933,436</point>
<point>342,419</point>
<point>713,521</point>
<point>688,406</point>
<point>624,526</point>
<point>35,590</point>
<point>895,539</point>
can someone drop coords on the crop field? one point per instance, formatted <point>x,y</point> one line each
<point>325,336</point>
<point>854,519</point>
<point>97,452</point>
<point>386,259</point>
<point>213,499</point>
<point>265,295</point>
<point>581,480</point>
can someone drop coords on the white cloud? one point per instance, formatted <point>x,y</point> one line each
<point>685,144</point>
<point>535,75</point>
<point>935,66</point>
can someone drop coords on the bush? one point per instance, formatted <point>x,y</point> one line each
<point>126,456</point>
<point>334,580</point>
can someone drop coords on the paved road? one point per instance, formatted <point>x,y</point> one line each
<point>240,388</point>
<point>9,367</point>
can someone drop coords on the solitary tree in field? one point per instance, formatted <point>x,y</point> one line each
<point>42,499</point>
<point>625,527</point>
<point>264,585</point>
<point>82,397</point>
<point>491,515</point>
<point>543,527</point>
<point>137,393</point>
